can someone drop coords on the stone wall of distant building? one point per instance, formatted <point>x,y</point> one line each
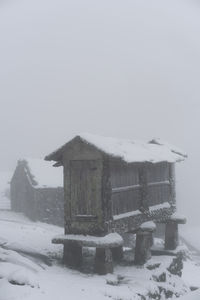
<point>39,204</point>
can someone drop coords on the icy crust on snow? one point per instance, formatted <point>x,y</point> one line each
<point>44,174</point>
<point>91,241</point>
<point>135,151</point>
<point>5,178</point>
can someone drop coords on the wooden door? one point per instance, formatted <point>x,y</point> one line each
<point>85,187</point>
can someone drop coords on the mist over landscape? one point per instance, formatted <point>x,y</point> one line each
<point>117,83</point>
<point>126,69</point>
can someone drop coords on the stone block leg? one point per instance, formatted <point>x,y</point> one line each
<point>143,247</point>
<point>171,235</point>
<point>72,255</point>
<point>117,253</point>
<point>103,261</point>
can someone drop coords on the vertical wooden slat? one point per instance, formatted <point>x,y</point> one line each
<point>172,178</point>
<point>144,189</point>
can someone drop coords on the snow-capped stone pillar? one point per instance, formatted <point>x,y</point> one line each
<point>103,261</point>
<point>72,255</point>
<point>171,231</point>
<point>144,242</point>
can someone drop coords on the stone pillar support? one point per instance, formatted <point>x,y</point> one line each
<point>72,255</point>
<point>103,261</point>
<point>171,231</point>
<point>171,235</point>
<point>144,242</point>
<point>117,253</point>
<point>143,247</point>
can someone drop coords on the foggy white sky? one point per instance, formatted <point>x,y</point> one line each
<point>118,68</point>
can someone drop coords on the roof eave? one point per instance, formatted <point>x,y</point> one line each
<point>57,154</point>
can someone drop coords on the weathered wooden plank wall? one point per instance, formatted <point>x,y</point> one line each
<point>138,186</point>
<point>84,195</point>
<point>158,183</point>
<point>85,186</point>
<point>125,184</point>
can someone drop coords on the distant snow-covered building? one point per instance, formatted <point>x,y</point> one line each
<point>37,191</point>
<point>5,190</point>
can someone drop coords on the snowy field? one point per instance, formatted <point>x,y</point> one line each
<point>191,234</point>
<point>30,268</point>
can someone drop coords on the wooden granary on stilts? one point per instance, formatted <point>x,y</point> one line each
<point>112,187</point>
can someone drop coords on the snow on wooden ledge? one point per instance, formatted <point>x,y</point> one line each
<point>159,206</point>
<point>138,212</point>
<point>110,240</point>
<point>127,215</point>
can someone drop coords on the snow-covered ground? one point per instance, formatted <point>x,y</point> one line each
<point>19,233</point>
<point>30,268</point>
<point>191,234</point>
<point>192,296</point>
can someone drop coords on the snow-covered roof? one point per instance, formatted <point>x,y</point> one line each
<point>43,174</point>
<point>129,150</point>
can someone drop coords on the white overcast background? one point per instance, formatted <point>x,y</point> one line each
<point>127,69</point>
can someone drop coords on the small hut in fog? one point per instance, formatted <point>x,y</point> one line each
<point>113,185</point>
<point>5,190</point>
<point>37,191</point>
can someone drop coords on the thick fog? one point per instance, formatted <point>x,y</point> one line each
<point>117,68</point>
